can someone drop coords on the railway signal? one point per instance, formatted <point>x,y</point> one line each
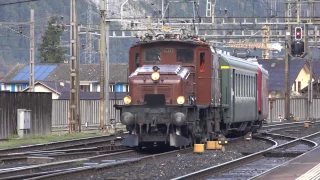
<point>298,33</point>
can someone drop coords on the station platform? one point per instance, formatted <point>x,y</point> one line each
<point>304,167</point>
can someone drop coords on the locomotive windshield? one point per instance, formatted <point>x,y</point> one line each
<point>185,55</point>
<point>153,55</point>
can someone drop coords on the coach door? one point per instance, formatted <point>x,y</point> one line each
<point>204,77</point>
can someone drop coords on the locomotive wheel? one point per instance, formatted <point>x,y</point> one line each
<point>139,148</point>
<point>190,137</point>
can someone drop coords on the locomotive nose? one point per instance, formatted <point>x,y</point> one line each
<point>127,118</point>
<point>179,119</point>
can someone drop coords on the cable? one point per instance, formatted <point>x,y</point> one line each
<point>27,1</point>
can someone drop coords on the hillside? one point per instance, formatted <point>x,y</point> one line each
<point>15,48</point>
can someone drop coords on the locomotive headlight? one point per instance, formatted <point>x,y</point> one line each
<point>180,100</point>
<point>127,100</point>
<point>155,76</point>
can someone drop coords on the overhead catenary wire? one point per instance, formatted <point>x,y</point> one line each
<point>19,2</point>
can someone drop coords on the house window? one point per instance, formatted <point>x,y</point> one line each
<point>19,87</point>
<point>126,88</point>
<point>85,88</point>
<point>299,85</point>
<point>112,88</point>
<point>295,86</point>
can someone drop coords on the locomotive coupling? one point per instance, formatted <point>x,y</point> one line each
<point>127,118</point>
<point>179,119</point>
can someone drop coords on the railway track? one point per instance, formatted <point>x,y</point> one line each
<point>244,167</point>
<point>36,170</point>
<point>108,163</point>
<point>40,157</point>
<point>77,143</point>
<point>282,126</point>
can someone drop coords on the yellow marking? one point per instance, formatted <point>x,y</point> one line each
<point>198,148</point>
<point>166,28</point>
<point>225,67</point>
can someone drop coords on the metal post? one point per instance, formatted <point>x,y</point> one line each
<point>78,122</point>
<point>287,73</point>
<point>102,59</point>
<point>31,81</point>
<point>107,101</point>
<point>74,69</point>
<point>310,88</point>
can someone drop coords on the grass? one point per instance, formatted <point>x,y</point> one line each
<point>15,141</point>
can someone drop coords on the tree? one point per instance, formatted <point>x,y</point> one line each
<point>50,49</point>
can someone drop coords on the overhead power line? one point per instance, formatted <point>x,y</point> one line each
<point>20,2</point>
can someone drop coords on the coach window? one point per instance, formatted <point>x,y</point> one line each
<point>250,79</point>
<point>202,62</point>
<point>249,86</point>
<point>153,55</point>
<point>185,55</point>
<point>237,85</point>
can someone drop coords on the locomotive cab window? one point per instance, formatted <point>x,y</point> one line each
<point>185,55</point>
<point>202,62</point>
<point>153,55</point>
<point>137,60</point>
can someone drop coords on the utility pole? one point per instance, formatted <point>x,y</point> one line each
<point>31,80</point>
<point>102,63</point>
<point>310,88</point>
<point>287,73</point>
<point>74,109</point>
<point>107,100</point>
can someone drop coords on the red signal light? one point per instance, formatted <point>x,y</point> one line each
<point>298,31</point>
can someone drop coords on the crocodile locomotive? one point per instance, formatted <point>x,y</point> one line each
<point>182,92</point>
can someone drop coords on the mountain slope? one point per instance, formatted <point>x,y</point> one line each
<point>14,48</point>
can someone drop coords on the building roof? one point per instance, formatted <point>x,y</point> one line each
<point>13,72</point>
<point>94,95</point>
<point>61,72</point>
<point>316,67</point>
<point>276,69</point>
<point>59,88</point>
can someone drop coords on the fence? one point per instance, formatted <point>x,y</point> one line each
<point>40,105</point>
<point>89,112</point>
<point>298,107</point>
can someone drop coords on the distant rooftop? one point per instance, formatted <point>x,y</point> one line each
<point>61,72</point>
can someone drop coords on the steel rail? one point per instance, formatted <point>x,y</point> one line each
<point>287,125</point>
<point>12,172</point>
<point>243,160</point>
<point>59,144</point>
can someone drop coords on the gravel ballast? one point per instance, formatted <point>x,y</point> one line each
<point>185,163</point>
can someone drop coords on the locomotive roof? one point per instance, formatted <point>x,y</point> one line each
<point>185,41</point>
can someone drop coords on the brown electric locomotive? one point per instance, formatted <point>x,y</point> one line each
<point>181,92</point>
